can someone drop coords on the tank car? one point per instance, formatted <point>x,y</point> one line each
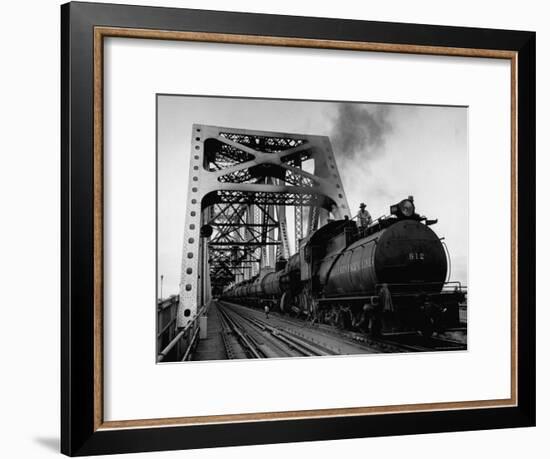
<point>391,276</point>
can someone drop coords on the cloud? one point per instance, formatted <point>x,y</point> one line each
<point>360,129</point>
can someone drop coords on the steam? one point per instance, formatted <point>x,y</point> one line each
<point>360,130</point>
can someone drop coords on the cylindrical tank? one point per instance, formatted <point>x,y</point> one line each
<point>408,255</point>
<point>256,289</point>
<point>271,286</point>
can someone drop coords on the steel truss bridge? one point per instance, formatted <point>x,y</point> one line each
<point>248,192</point>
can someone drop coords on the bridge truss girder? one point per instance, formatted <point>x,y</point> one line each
<point>240,182</point>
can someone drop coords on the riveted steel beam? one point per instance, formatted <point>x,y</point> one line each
<point>239,184</point>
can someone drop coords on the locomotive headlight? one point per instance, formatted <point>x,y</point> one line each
<point>406,207</point>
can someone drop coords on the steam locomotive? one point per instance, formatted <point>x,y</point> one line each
<point>388,277</point>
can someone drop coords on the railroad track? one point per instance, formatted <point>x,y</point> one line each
<point>299,344</point>
<point>398,342</point>
<point>389,343</point>
<point>261,339</point>
<point>414,342</point>
<point>236,341</point>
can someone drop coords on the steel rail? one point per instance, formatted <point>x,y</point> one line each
<point>388,343</point>
<point>299,344</point>
<point>244,339</point>
<point>294,342</point>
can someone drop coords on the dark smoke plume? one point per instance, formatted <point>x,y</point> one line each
<point>360,130</point>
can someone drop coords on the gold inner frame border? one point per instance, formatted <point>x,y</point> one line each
<point>102,32</point>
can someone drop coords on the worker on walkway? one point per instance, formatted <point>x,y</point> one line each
<point>384,297</point>
<point>266,309</point>
<point>363,217</point>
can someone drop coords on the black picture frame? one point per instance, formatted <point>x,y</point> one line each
<point>79,433</point>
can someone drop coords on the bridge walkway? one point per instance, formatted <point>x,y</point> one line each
<point>212,347</point>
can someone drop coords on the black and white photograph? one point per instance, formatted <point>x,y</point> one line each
<point>302,228</point>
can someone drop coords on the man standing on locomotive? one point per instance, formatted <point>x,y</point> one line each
<point>363,217</point>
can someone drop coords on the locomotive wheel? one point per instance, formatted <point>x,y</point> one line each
<point>306,305</point>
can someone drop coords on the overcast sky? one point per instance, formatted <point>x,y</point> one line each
<point>384,153</point>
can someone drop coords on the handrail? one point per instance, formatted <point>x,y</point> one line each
<point>461,287</point>
<point>170,346</point>
<point>191,343</point>
<point>448,255</point>
<point>170,322</point>
<point>183,333</point>
<point>166,303</point>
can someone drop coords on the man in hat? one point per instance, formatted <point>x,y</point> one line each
<point>363,217</point>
